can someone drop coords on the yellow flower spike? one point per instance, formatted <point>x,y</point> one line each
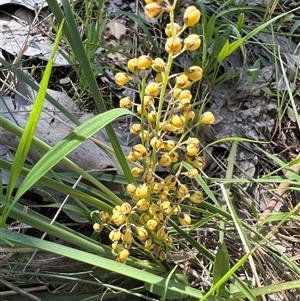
<point>170,181</point>
<point>144,135</point>
<point>158,188</point>
<point>131,157</point>
<point>181,191</point>
<point>159,78</point>
<point>126,103</point>
<point>117,247</point>
<point>152,10</point>
<point>165,160</point>
<point>194,73</point>
<point>167,207</point>
<point>184,105</point>
<point>142,204</point>
<point>152,224</point>
<point>176,93</point>
<point>177,120</point>
<point>162,233</point>
<point>142,191</point>
<point>156,142</point>
<point>192,42</point>
<point>164,196</point>
<point>144,217</point>
<point>126,208</point>
<point>168,29</point>
<point>118,218</point>
<point>192,150</point>
<point>158,65</point>
<point>154,209</point>
<point>98,227</point>
<point>184,219</point>
<point>149,245</point>
<point>174,157</point>
<point>141,233</point>
<point>127,237</point>
<point>130,188</point>
<point>158,217</point>
<point>198,162</point>
<point>191,16</point>
<point>139,151</point>
<point>185,94</point>
<point>196,197</point>
<point>169,145</point>
<point>192,173</point>
<point>152,89</point>
<point>173,45</point>
<point>136,128</point>
<point>162,256</point>
<point>136,172</point>
<point>189,115</point>
<point>122,78</point>
<point>142,110</point>
<point>207,118</point>
<point>148,177</point>
<point>123,255</point>
<point>152,116</point>
<point>148,101</point>
<point>132,65</point>
<point>115,235</point>
<point>182,81</point>
<point>144,62</point>
<point>104,216</point>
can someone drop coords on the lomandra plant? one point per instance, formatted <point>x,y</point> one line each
<point>166,126</point>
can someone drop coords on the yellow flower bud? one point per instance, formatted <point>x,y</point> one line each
<point>192,173</point>
<point>193,140</point>
<point>207,118</point>
<point>144,217</point>
<point>185,94</point>
<point>189,115</point>
<point>162,256</point>
<point>198,162</point>
<point>168,241</point>
<point>152,224</point>
<point>115,235</point>
<point>142,191</point>
<point>104,216</point>
<point>170,32</point>
<point>127,236</point>
<point>132,65</point>
<point>148,101</point>
<point>118,218</point>
<point>139,151</point>
<point>159,78</point>
<point>177,130</point>
<point>191,16</point>
<point>182,81</point>
<point>152,89</point>
<point>154,209</point>
<point>131,157</point>
<point>141,233</point>
<point>164,196</point>
<point>123,255</point>
<point>196,197</point>
<point>125,208</point>
<point>156,142</point>
<point>184,219</point>
<point>149,245</point>
<point>192,42</point>
<point>158,217</point>
<point>148,177</point>
<point>168,127</point>
<point>98,227</point>
<point>122,78</point>
<point>177,120</point>
<point>169,145</point>
<point>136,128</point>
<point>136,171</point>
<point>170,181</point>
<point>135,198</point>
<point>174,157</point>
<point>181,191</point>
<point>173,45</point>
<point>166,207</point>
<point>192,150</point>
<point>194,73</point>
<point>184,104</point>
<point>117,247</point>
<point>130,188</point>
<point>164,160</point>
<point>144,62</point>
<point>162,233</point>
<point>152,10</point>
<point>142,204</point>
<point>142,110</point>
<point>176,92</point>
<point>152,116</point>
<point>126,103</point>
<point>157,188</point>
<point>144,135</point>
<point>158,65</point>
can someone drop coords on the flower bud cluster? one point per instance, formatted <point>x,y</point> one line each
<point>165,109</point>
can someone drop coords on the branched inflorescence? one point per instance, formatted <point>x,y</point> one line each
<point>165,130</point>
